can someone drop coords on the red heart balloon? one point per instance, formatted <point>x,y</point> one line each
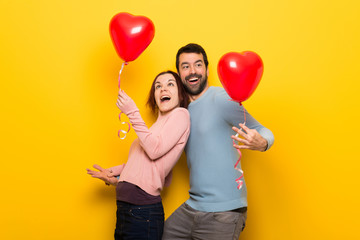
<point>240,74</point>
<point>131,35</point>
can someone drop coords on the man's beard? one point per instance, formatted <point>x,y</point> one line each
<point>199,89</point>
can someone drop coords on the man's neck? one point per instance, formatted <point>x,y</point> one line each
<point>194,97</point>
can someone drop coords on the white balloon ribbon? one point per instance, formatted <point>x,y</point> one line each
<point>122,133</point>
<point>238,180</point>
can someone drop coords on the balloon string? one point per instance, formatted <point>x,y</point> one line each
<point>238,180</point>
<point>122,67</point>
<point>122,132</point>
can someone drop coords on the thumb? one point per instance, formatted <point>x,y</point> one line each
<point>111,175</point>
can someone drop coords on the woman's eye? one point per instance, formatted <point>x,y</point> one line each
<point>171,84</point>
<point>157,86</point>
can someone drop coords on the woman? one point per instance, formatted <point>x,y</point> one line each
<point>140,214</point>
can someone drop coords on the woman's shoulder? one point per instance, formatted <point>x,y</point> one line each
<point>180,112</point>
<point>179,115</point>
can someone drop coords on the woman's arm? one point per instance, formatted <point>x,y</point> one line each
<point>158,143</point>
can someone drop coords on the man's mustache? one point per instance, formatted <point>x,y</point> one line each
<point>192,76</point>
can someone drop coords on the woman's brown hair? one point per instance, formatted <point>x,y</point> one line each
<point>183,96</point>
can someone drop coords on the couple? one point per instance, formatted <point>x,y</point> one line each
<point>216,209</point>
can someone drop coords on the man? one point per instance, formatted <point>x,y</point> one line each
<point>216,208</point>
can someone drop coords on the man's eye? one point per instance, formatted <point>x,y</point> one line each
<point>185,67</point>
<point>199,65</point>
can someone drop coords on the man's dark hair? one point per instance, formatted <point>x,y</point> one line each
<point>191,48</point>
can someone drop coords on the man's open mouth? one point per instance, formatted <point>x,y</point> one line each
<point>193,78</point>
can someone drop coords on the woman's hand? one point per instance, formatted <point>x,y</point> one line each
<point>251,139</point>
<point>125,103</point>
<point>103,174</point>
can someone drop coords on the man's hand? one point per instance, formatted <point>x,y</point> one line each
<point>251,139</point>
<point>102,174</point>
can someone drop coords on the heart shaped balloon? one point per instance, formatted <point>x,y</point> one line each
<point>131,35</point>
<point>240,74</point>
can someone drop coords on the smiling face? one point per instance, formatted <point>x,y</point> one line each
<point>166,93</point>
<point>193,73</point>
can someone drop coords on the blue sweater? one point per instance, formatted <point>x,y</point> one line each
<point>210,154</point>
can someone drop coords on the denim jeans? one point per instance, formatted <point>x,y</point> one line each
<point>188,223</point>
<point>139,221</point>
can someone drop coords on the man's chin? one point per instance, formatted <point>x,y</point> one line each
<point>193,91</point>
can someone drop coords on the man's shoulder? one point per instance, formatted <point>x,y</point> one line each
<point>219,93</point>
<point>215,89</point>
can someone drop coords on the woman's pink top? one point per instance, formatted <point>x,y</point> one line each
<point>156,150</point>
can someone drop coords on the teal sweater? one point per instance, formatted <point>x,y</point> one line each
<point>210,154</point>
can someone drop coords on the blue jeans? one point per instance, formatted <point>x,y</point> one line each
<point>139,221</point>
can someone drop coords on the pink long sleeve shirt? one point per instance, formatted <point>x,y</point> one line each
<point>156,150</point>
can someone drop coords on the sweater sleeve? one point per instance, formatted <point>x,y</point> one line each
<point>234,114</point>
<point>117,169</point>
<point>158,143</point>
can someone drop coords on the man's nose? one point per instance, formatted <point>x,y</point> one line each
<point>192,69</point>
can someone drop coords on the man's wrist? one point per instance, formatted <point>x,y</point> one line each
<point>266,146</point>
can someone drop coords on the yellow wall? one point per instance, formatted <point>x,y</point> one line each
<point>58,78</point>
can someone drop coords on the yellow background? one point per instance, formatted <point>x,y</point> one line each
<point>58,79</point>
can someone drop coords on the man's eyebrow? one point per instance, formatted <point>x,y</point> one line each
<point>197,61</point>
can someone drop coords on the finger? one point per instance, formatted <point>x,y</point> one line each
<point>239,132</point>
<point>92,174</point>
<point>89,171</point>
<point>120,99</point>
<point>241,141</point>
<point>246,131</point>
<point>98,167</point>
<point>123,95</point>
<point>245,128</point>
<point>118,104</point>
<point>240,146</point>
<point>237,138</point>
<point>121,92</point>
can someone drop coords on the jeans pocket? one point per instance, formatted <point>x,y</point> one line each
<point>140,214</point>
<point>226,217</point>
